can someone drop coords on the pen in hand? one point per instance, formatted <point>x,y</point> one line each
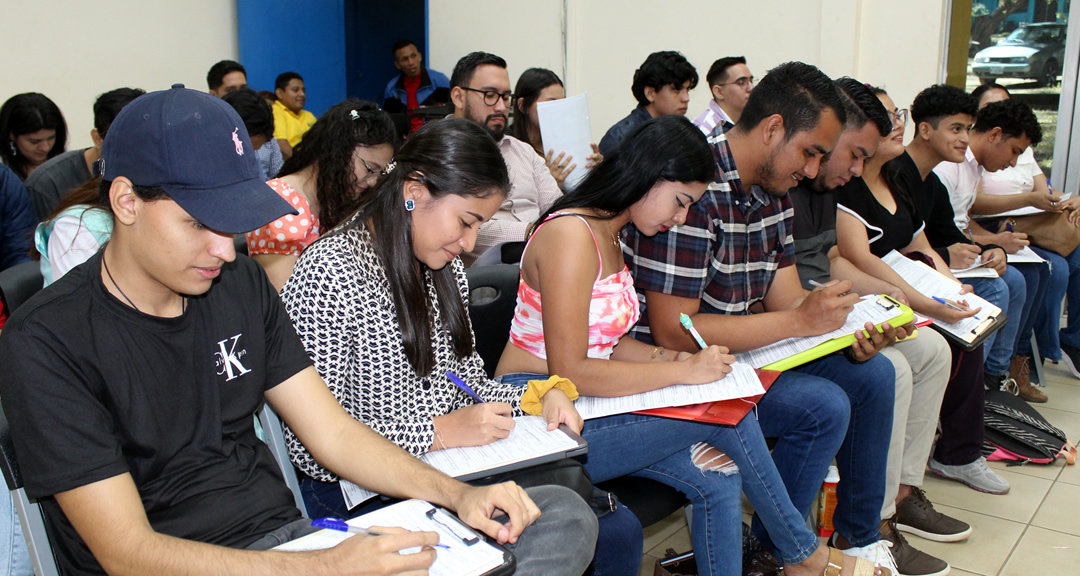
<point>689,325</point>
<point>950,304</point>
<point>342,526</point>
<point>464,387</point>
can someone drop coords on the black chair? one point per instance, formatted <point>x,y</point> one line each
<point>19,283</point>
<point>33,523</point>
<point>492,298</point>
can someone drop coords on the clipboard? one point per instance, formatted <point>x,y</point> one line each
<point>979,335</point>
<point>904,315</point>
<point>479,555</point>
<point>728,412</point>
<point>580,450</point>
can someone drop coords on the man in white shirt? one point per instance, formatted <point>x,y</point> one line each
<point>480,91</point>
<point>1002,131</point>
<point>730,83</point>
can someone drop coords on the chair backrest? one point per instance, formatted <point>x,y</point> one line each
<point>33,522</point>
<point>19,283</point>
<point>275,439</point>
<point>492,297</point>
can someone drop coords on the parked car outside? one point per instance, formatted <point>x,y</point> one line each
<point>1033,51</point>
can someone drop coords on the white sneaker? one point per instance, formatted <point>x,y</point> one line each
<point>879,553</point>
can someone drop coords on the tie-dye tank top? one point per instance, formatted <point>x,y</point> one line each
<point>612,311</point>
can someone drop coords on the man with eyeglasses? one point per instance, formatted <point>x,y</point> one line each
<point>480,91</point>
<point>730,82</point>
<point>662,87</point>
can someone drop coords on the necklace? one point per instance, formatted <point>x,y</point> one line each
<point>183,301</point>
<point>615,241</point>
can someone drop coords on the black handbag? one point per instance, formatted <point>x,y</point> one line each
<point>567,472</point>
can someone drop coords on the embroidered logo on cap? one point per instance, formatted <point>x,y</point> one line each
<point>239,144</point>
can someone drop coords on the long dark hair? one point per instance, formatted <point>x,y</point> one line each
<point>25,114</point>
<point>528,88</point>
<point>663,149</point>
<point>890,171</point>
<point>329,145</point>
<point>452,156</point>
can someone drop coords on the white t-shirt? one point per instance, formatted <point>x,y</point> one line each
<point>1015,180</point>
<point>962,181</point>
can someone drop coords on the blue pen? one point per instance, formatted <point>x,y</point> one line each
<point>1008,226</point>
<point>342,526</point>
<point>464,387</point>
<point>689,325</point>
<point>948,303</point>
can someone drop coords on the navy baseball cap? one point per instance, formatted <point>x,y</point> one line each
<point>195,147</point>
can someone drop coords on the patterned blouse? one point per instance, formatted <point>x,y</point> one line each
<point>290,234</point>
<point>339,300</point>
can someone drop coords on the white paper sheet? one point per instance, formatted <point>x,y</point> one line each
<point>867,310</point>
<point>931,283</point>
<point>529,439</point>
<point>740,383</point>
<point>979,269</point>
<point>459,560</point>
<point>1020,211</point>
<point>1024,255</point>
<point>564,127</point>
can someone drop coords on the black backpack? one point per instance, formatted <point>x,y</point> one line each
<point>1015,432</point>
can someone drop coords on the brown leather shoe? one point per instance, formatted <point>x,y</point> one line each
<point>1020,371</point>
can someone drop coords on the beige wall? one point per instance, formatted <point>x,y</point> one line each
<point>896,43</point>
<point>73,50</point>
<point>92,47</point>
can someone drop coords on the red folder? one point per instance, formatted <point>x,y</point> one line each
<point>720,412</point>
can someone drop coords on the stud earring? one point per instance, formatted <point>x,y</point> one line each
<point>410,205</point>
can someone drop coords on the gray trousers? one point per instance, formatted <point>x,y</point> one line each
<point>922,373</point>
<point>560,542</point>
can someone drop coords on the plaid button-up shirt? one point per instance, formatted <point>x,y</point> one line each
<point>727,252</point>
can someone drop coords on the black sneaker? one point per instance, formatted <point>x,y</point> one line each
<point>916,515</point>
<point>910,561</point>
<point>1071,356</point>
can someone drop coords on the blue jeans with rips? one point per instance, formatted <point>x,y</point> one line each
<point>1008,293</point>
<point>831,407</point>
<point>659,449</point>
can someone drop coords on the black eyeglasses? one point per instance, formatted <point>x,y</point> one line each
<point>372,174</point>
<point>491,96</point>
<point>742,82</point>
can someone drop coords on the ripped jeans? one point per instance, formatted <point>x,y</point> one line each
<point>660,449</point>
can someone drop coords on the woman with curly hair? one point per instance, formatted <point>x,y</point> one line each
<point>339,158</point>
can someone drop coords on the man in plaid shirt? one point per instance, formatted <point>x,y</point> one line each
<point>731,268</point>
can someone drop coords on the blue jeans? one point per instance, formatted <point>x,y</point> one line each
<point>1036,280</point>
<point>1064,281</point>
<point>14,557</point>
<point>833,407</point>
<point>659,449</point>
<point>1007,293</point>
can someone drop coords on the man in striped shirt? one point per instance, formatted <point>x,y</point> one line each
<point>730,83</point>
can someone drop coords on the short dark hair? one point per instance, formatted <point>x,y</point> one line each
<point>981,89</point>
<point>401,44</point>
<point>253,109</point>
<point>216,76</point>
<point>863,106</point>
<point>463,70</point>
<point>798,92</point>
<point>109,104</point>
<point>939,101</point>
<point>283,79</point>
<point>661,69</point>
<point>718,71</point>
<point>1014,117</point>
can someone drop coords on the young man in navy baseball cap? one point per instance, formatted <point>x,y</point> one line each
<point>130,383</point>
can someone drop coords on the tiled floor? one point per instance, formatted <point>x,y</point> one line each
<point>1032,530</point>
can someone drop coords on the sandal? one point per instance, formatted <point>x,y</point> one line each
<point>862,567</point>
